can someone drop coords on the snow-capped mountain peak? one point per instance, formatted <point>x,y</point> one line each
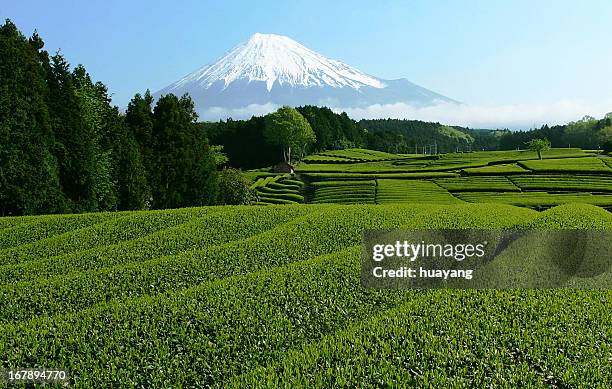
<point>278,59</point>
<point>270,70</point>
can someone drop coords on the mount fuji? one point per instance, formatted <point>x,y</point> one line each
<point>272,70</point>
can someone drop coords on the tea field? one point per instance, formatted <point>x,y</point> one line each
<point>269,296</point>
<point>356,176</point>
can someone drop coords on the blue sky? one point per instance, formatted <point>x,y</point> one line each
<point>543,56</point>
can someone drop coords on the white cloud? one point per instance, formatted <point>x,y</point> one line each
<point>514,116</point>
<point>217,113</point>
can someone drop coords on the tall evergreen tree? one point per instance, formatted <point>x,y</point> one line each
<point>94,107</point>
<point>29,181</point>
<point>76,148</point>
<point>129,173</point>
<point>139,118</point>
<point>183,169</point>
<point>121,178</point>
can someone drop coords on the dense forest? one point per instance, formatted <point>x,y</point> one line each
<point>64,148</point>
<point>247,148</point>
<point>415,136</point>
<point>587,133</point>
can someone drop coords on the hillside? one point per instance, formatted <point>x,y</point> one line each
<point>358,176</point>
<point>123,295</point>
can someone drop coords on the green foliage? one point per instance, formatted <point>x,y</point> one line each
<point>359,155</point>
<point>279,190</point>
<point>91,161</point>
<point>244,142</point>
<point>332,130</point>
<point>536,199</point>
<point>410,136</point>
<point>503,169</point>
<point>456,134</point>
<point>234,188</point>
<point>139,118</point>
<point>539,146</point>
<point>84,166</point>
<point>418,179</point>
<point>64,148</point>
<point>192,229</point>
<point>559,182</point>
<point>412,191</point>
<point>573,165</point>
<point>130,175</point>
<point>248,148</point>
<point>219,158</point>
<point>415,343</point>
<point>478,183</point>
<point>605,139</point>
<point>29,172</point>
<point>371,176</point>
<point>183,170</point>
<point>586,133</point>
<point>344,192</point>
<point>105,231</point>
<point>29,230</point>
<point>288,129</point>
<point>184,296</point>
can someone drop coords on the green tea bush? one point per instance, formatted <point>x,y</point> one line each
<point>478,183</point>
<point>120,229</point>
<point>574,165</point>
<point>317,233</point>
<point>220,225</point>
<point>550,182</point>
<point>30,229</point>
<point>412,191</point>
<point>281,190</point>
<point>340,176</point>
<point>274,200</point>
<point>503,169</point>
<point>345,192</point>
<point>535,199</point>
<point>271,296</point>
<point>458,339</point>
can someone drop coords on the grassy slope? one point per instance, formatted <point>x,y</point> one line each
<point>268,295</point>
<point>509,177</point>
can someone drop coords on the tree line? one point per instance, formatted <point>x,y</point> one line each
<point>586,133</point>
<point>249,147</point>
<point>65,149</point>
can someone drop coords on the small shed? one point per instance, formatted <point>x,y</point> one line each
<point>283,167</point>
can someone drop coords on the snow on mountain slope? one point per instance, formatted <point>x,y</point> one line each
<point>275,58</point>
<point>272,69</point>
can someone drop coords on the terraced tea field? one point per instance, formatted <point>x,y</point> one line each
<point>345,192</point>
<point>510,177</point>
<point>278,189</point>
<point>268,296</point>
<point>412,191</point>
